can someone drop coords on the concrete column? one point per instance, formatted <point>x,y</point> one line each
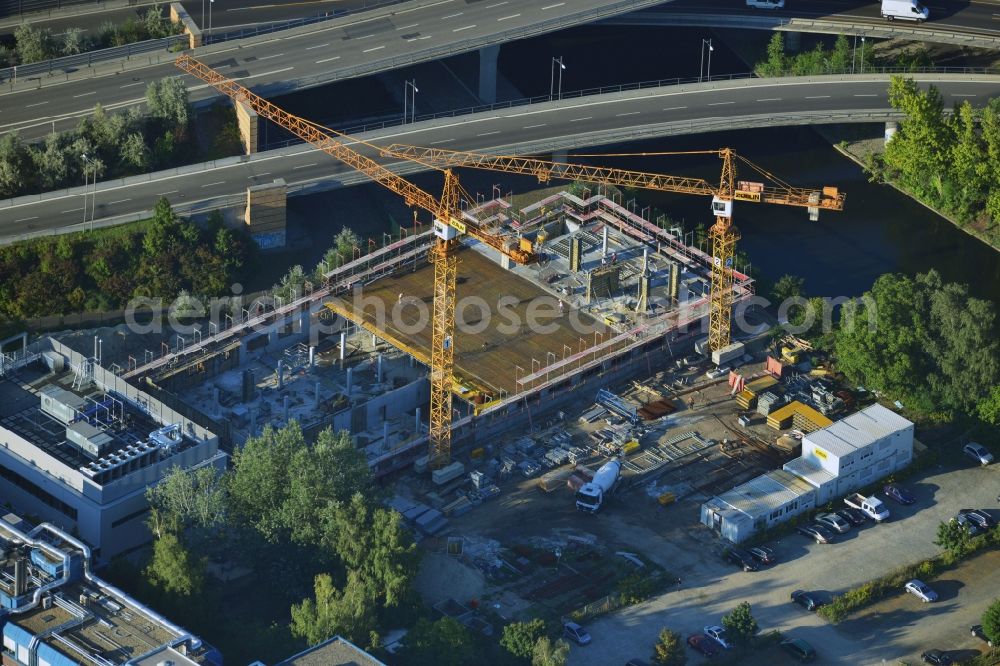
<point>218,404</point>
<point>385,433</point>
<point>343,344</point>
<point>350,382</point>
<point>506,262</point>
<point>793,42</point>
<point>249,125</point>
<point>374,340</point>
<point>304,324</point>
<point>285,405</point>
<point>265,213</point>
<point>604,242</point>
<point>316,394</point>
<point>416,422</point>
<point>281,375</point>
<point>488,73</point>
<point>253,421</point>
<point>312,356</point>
<point>890,131</point>
<point>378,369</point>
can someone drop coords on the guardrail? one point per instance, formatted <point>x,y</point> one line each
<point>90,57</point>
<point>867,27</point>
<point>626,87</point>
<point>367,5</point>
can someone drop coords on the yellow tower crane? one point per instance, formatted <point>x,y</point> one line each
<point>449,223</point>
<point>723,234</point>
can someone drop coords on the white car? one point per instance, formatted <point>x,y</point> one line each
<point>717,634</point>
<point>921,591</point>
<point>834,522</point>
<point>978,453</point>
<point>766,4</point>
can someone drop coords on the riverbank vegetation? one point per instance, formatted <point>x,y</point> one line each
<point>33,44</point>
<point>105,146</point>
<point>844,57</point>
<point>947,160</point>
<point>103,269</point>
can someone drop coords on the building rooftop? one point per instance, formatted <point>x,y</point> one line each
<point>766,492</point>
<point>335,652</point>
<point>809,470</point>
<point>858,430</point>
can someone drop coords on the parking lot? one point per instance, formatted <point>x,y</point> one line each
<point>898,628</point>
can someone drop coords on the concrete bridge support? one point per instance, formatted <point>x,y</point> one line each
<point>488,73</point>
<point>265,213</point>
<point>793,41</point>
<point>249,124</point>
<point>179,15</point>
<point>890,131</point>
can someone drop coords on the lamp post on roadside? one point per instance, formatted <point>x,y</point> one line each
<point>552,76</point>
<point>862,55</point>
<point>701,67</point>
<point>411,98</point>
<point>210,3</point>
<point>86,162</point>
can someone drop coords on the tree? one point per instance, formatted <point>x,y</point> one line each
<point>774,64</point>
<point>190,496</point>
<point>669,651</point>
<point>134,152</point>
<point>346,240</point>
<point>441,643</point>
<point>989,407</point>
<point>173,569</point>
<point>969,173</point>
<point>13,165</point>
<point>919,153</point>
<point>787,286</point>
<point>155,24</point>
<point>348,612</point>
<point>840,57</point>
<point>167,99</point>
<point>991,622</point>
<point>548,653</point>
<point>519,638</point>
<point>51,162</point>
<point>953,537</point>
<point>740,623</point>
<point>33,44</point>
<point>74,42</point>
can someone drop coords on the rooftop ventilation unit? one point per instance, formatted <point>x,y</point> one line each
<point>61,404</point>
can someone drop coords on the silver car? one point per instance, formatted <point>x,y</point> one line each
<point>921,591</point>
<point>978,453</point>
<point>834,522</point>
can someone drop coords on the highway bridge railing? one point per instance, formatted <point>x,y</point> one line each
<point>277,26</point>
<point>73,62</point>
<point>625,87</point>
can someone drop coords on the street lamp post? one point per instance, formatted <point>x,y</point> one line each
<point>411,98</point>
<point>552,76</point>
<point>701,66</point>
<point>86,162</point>
<point>862,55</point>
<point>210,3</point>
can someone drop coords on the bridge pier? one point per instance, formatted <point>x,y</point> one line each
<point>793,41</point>
<point>265,213</point>
<point>890,131</point>
<point>248,122</point>
<point>488,73</point>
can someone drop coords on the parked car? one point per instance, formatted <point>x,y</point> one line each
<point>980,517</point>
<point>799,649</point>
<point>766,4</point>
<point>900,494</point>
<point>703,644</point>
<point>921,591</point>
<point>717,634</point>
<point>806,600</point>
<point>834,522</point>
<point>970,525</point>
<point>855,517</point>
<point>763,554</point>
<point>978,453</point>
<point>817,532</point>
<point>936,657</point>
<point>977,632</point>
<point>742,559</point>
<point>576,633</point>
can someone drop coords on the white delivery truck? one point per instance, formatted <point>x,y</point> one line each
<point>766,4</point>
<point>905,10</point>
<point>870,506</point>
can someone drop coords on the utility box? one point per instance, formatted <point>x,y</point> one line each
<point>727,353</point>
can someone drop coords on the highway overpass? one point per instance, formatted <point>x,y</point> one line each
<point>367,43</point>
<point>967,23</point>
<point>573,122</point>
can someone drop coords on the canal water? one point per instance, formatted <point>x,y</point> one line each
<point>880,230</point>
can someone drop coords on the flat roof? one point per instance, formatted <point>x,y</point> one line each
<point>766,492</point>
<point>858,430</point>
<point>335,652</point>
<point>810,471</point>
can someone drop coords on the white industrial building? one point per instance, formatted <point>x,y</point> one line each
<point>79,445</point>
<point>836,460</point>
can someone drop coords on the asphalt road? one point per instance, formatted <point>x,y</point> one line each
<point>710,588</point>
<point>377,40</point>
<point>549,122</point>
<point>978,15</point>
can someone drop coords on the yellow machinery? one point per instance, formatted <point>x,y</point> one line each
<point>723,234</point>
<point>448,225</point>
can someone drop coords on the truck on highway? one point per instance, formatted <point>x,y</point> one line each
<point>870,506</point>
<point>591,496</point>
<point>905,10</point>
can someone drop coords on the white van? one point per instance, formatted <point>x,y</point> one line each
<point>766,4</point>
<point>905,10</point>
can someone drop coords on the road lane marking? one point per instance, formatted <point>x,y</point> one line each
<point>630,113</point>
<point>303,166</point>
<point>25,219</point>
<point>576,120</point>
<point>417,39</point>
<point>72,210</point>
<point>92,92</point>
<point>498,4</point>
<point>505,18</point>
<point>119,201</point>
<point>253,76</point>
<point>374,48</point>
<point>445,18</point>
<point>817,97</point>
<point>719,103</point>
<point>963,95</point>
<point>407,27</point>
<point>488,133</point>
<point>434,143</point>
<point>548,7</point>
<point>534,126</point>
<point>36,104</point>
<point>221,182</point>
<point>129,85</point>
<point>318,46</point>
<point>320,62</point>
<point>465,28</point>
<point>276,55</point>
<point>163,194</point>
<point>770,99</point>
<point>867,95</point>
<point>674,108</point>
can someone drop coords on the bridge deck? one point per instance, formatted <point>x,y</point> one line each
<point>496,335</point>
